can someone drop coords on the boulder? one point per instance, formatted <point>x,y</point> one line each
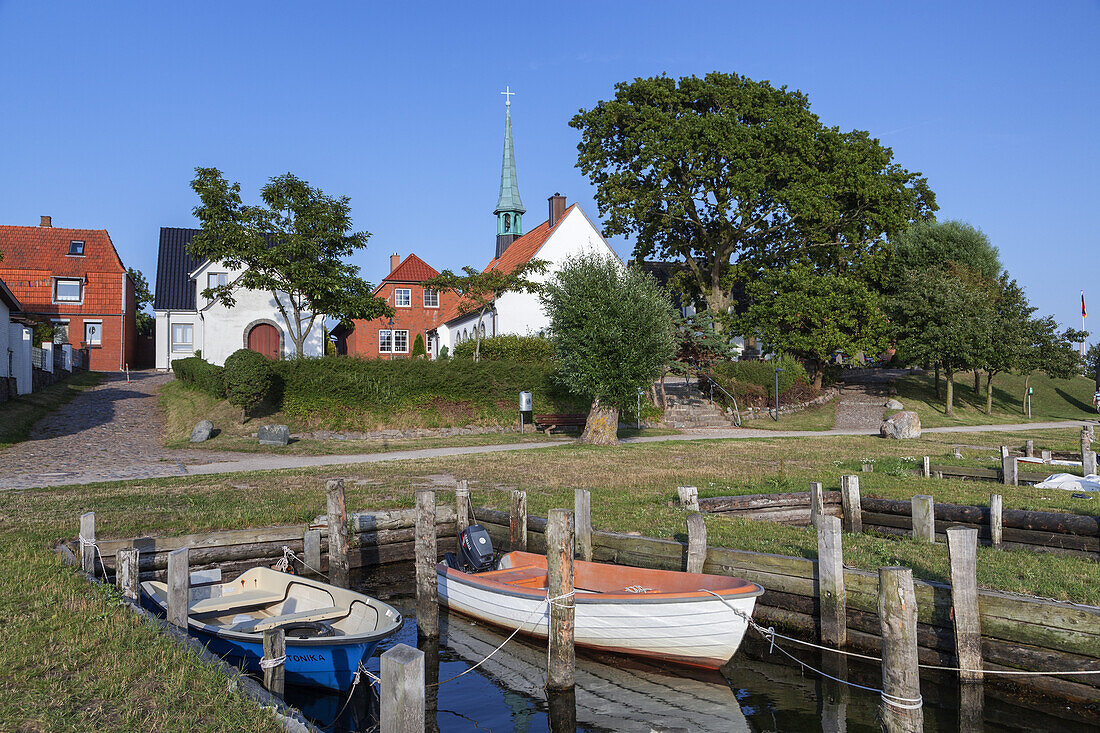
<point>273,434</point>
<point>202,431</point>
<point>901,425</point>
<point>893,404</point>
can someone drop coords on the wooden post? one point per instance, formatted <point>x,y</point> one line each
<point>1047,456</point>
<point>689,497</point>
<point>337,532</point>
<point>87,542</point>
<point>582,508</point>
<point>517,521</point>
<point>274,661</point>
<point>897,612</point>
<point>924,518</point>
<point>1086,443</point>
<point>312,545</point>
<point>962,551</point>
<point>1004,451</point>
<point>926,469</point>
<point>462,511</point>
<point>1010,471</point>
<point>179,587</point>
<point>850,504</point>
<point>427,608</point>
<point>127,574</point>
<point>867,467</point>
<point>402,690</point>
<point>817,504</point>
<point>697,542</point>
<point>830,583</point>
<point>1088,463</point>
<point>995,520</point>
<point>1029,448</point>
<point>559,568</point>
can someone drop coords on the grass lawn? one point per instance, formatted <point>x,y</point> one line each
<point>17,416</point>
<point>819,417</point>
<point>1054,399</point>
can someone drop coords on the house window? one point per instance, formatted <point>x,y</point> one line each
<point>183,338</point>
<point>93,333</point>
<point>431,298</point>
<point>76,247</point>
<point>402,297</point>
<point>385,341</point>
<point>68,290</point>
<point>393,342</point>
<point>216,280</point>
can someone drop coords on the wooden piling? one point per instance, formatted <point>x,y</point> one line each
<point>817,503</point>
<point>962,546</point>
<point>830,583</point>
<point>897,611</point>
<point>517,521</point>
<point>427,607</point>
<point>337,532</point>
<point>179,587</point>
<point>867,467</point>
<point>402,690</point>
<point>996,522</point>
<point>274,651</point>
<point>311,545</point>
<point>1029,448</point>
<point>1086,443</point>
<point>462,511</point>
<point>924,518</point>
<point>1004,451</point>
<point>850,504</point>
<point>126,573</point>
<point>697,542</point>
<point>87,542</point>
<point>559,567</point>
<point>689,497</point>
<point>582,508</point>
<point>1047,456</point>
<point>1010,471</point>
<point>1088,463</point>
<point>926,468</point>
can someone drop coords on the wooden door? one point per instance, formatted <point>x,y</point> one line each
<point>264,339</point>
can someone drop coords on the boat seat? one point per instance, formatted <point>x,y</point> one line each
<point>235,601</point>
<point>316,614</point>
<point>525,575</point>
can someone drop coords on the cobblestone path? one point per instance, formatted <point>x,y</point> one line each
<point>114,431</point>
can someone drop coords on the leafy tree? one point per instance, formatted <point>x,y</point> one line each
<point>1092,362</point>
<point>814,314</point>
<point>478,291</point>
<point>1051,352</point>
<point>613,334</point>
<point>945,244</point>
<point>292,247</point>
<point>1013,334</point>
<point>418,348</point>
<point>727,167</point>
<point>143,297</point>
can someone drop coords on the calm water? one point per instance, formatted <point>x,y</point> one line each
<point>757,692</point>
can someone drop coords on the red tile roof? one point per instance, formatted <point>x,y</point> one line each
<point>47,248</point>
<point>411,270</point>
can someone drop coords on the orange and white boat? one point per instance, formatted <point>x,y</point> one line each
<point>662,614</point>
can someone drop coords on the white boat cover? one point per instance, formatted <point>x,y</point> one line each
<point>1071,482</point>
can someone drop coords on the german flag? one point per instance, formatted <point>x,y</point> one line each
<point>1084,313</point>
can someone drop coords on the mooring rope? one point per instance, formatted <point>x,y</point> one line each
<point>288,554</point>
<point>83,544</point>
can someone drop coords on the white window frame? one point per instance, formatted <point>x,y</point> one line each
<point>68,280</point>
<point>216,279</point>
<point>404,294</point>
<point>433,301</point>
<point>397,335</point>
<point>93,323</point>
<point>385,341</point>
<point>179,346</point>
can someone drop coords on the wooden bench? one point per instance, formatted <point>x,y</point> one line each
<point>234,602</point>
<point>549,422</point>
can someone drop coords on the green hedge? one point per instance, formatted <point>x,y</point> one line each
<point>201,375</point>
<point>527,349</point>
<point>248,378</point>
<point>762,373</point>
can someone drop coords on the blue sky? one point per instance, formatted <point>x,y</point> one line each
<point>108,107</point>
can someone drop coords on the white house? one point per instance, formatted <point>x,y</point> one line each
<point>188,324</point>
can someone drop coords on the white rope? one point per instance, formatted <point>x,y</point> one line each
<point>288,555</point>
<point>84,543</point>
<point>272,662</point>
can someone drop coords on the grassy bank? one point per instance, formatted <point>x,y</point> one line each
<point>17,416</point>
<point>819,417</point>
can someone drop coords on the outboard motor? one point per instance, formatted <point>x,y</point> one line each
<point>476,553</point>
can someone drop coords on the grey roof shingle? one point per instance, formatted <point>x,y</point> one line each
<point>175,290</point>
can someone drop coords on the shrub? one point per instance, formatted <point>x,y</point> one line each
<point>444,353</point>
<point>248,378</point>
<point>524,349</point>
<point>201,375</point>
<point>752,383</point>
<point>418,347</point>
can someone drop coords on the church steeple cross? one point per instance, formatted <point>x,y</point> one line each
<point>508,95</point>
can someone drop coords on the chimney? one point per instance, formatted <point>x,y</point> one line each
<point>557,208</point>
<point>395,260</point>
<point>45,221</point>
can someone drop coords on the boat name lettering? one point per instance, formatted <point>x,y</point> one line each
<point>306,657</point>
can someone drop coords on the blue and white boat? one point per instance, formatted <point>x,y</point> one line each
<point>329,630</point>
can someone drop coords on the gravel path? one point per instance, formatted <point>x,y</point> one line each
<point>861,407</point>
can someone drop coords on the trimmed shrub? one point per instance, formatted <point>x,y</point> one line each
<point>752,383</point>
<point>418,347</point>
<point>525,349</point>
<point>201,375</point>
<point>248,378</point>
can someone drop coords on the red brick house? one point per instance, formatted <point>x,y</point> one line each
<point>417,311</point>
<point>75,279</point>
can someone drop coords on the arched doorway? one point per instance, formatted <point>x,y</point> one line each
<point>264,339</point>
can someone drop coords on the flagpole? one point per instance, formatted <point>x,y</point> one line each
<point>1082,325</point>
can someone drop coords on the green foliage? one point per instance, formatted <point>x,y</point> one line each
<point>612,328</point>
<point>444,353</point>
<point>43,331</point>
<point>1092,362</point>
<point>814,314</point>
<point>945,245</point>
<point>201,375</point>
<point>724,166</point>
<point>142,297</point>
<point>249,377</point>
<point>761,374</point>
<point>698,345</point>
<point>508,347</point>
<point>418,348</point>
<point>292,247</point>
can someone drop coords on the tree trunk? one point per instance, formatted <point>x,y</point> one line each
<point>718,303</point>
<point>950,403</point>
<point>977,382</point>
<point>938,395</point>
<point>989,393</point>
<point>602,426</point>
<point>477,334</point>
<point>819,373</point>
<point>1023,400</point>
<point>664,400</point>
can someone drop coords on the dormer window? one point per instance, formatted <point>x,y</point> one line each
<point>76,248</point>
<point>217,280</point>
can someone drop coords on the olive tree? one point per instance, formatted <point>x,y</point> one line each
<point>613,334</point>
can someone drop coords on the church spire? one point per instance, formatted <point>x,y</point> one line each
<point>509,210</point>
